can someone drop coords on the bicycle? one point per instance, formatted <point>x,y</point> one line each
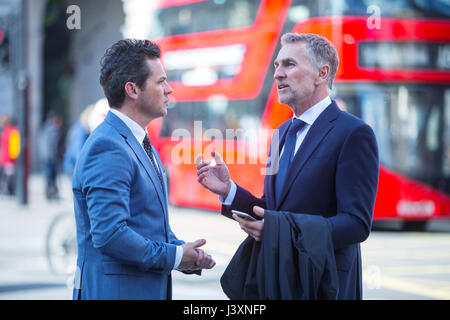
<point>61,245</point>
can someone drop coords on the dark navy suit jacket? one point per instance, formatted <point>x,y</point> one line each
<point>334,174</point>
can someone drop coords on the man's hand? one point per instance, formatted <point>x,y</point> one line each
<point>214,177</point>
<point>204,260</point>
<point>194,258</point>
<point>254,229</point>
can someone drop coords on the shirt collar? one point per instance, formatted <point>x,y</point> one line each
<point>310,115</point>
<point>138,132</point>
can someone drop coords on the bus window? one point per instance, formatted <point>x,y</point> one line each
<point>204,16</point>
<point>303,9</point>
<point>409,123</point>
<point>217,113</point>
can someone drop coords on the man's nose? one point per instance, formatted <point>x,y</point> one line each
<point>279,74</point>
<point>168,89</point>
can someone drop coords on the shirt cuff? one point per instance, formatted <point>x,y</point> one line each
<point>178,256</point>
<point>230,197</point>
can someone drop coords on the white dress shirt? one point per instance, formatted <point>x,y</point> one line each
<point>139,133</point>
<point>309,116</point>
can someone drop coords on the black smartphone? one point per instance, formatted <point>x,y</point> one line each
<point>243,215</point>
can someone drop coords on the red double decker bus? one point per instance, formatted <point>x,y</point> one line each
<point>394,73</point>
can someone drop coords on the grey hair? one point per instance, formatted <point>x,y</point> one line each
<point>319,49</point>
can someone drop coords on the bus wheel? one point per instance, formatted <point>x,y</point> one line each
<point>415,225</point>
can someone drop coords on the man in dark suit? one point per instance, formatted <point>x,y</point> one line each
<point>126,248</point>
<point>328,163</point>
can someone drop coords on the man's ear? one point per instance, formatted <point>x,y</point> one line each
<point>324,73</point>
<point>131,90</point>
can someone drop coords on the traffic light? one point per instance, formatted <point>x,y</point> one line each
<point>4,48</point>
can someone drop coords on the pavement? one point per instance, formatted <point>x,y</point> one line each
<point>396,265</point>
<point>24,269</point>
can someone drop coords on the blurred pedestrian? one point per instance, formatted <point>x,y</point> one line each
<point>51,151</point>
<point>90,118</point>
<point>78,134</point>
<point>2,124</point>
<point>9,152</point>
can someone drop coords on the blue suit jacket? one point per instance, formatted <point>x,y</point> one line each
<point>126,249</point>
<point>334,174</point>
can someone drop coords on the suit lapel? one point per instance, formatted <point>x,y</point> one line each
<point>318,131</point>
<point>130,139</point>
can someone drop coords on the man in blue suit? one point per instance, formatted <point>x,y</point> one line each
<point>328,160</point>
<point>126,249</point>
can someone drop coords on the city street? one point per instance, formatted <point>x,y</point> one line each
<point>397,265</point>
<point>321,103</point>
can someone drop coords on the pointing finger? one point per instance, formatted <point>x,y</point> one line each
<point>217,157</point>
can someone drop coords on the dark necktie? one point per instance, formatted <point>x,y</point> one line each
<point>148,149</point>
<point>287,156</point>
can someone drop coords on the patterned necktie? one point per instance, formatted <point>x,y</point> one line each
<point>287,156</point>
<point>148,149</point>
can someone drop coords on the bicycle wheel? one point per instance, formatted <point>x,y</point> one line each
<point>61,244</point>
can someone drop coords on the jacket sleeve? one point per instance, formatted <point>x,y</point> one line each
<point>107,179</point>
<point>356,187</point>
<point>243,201</point>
